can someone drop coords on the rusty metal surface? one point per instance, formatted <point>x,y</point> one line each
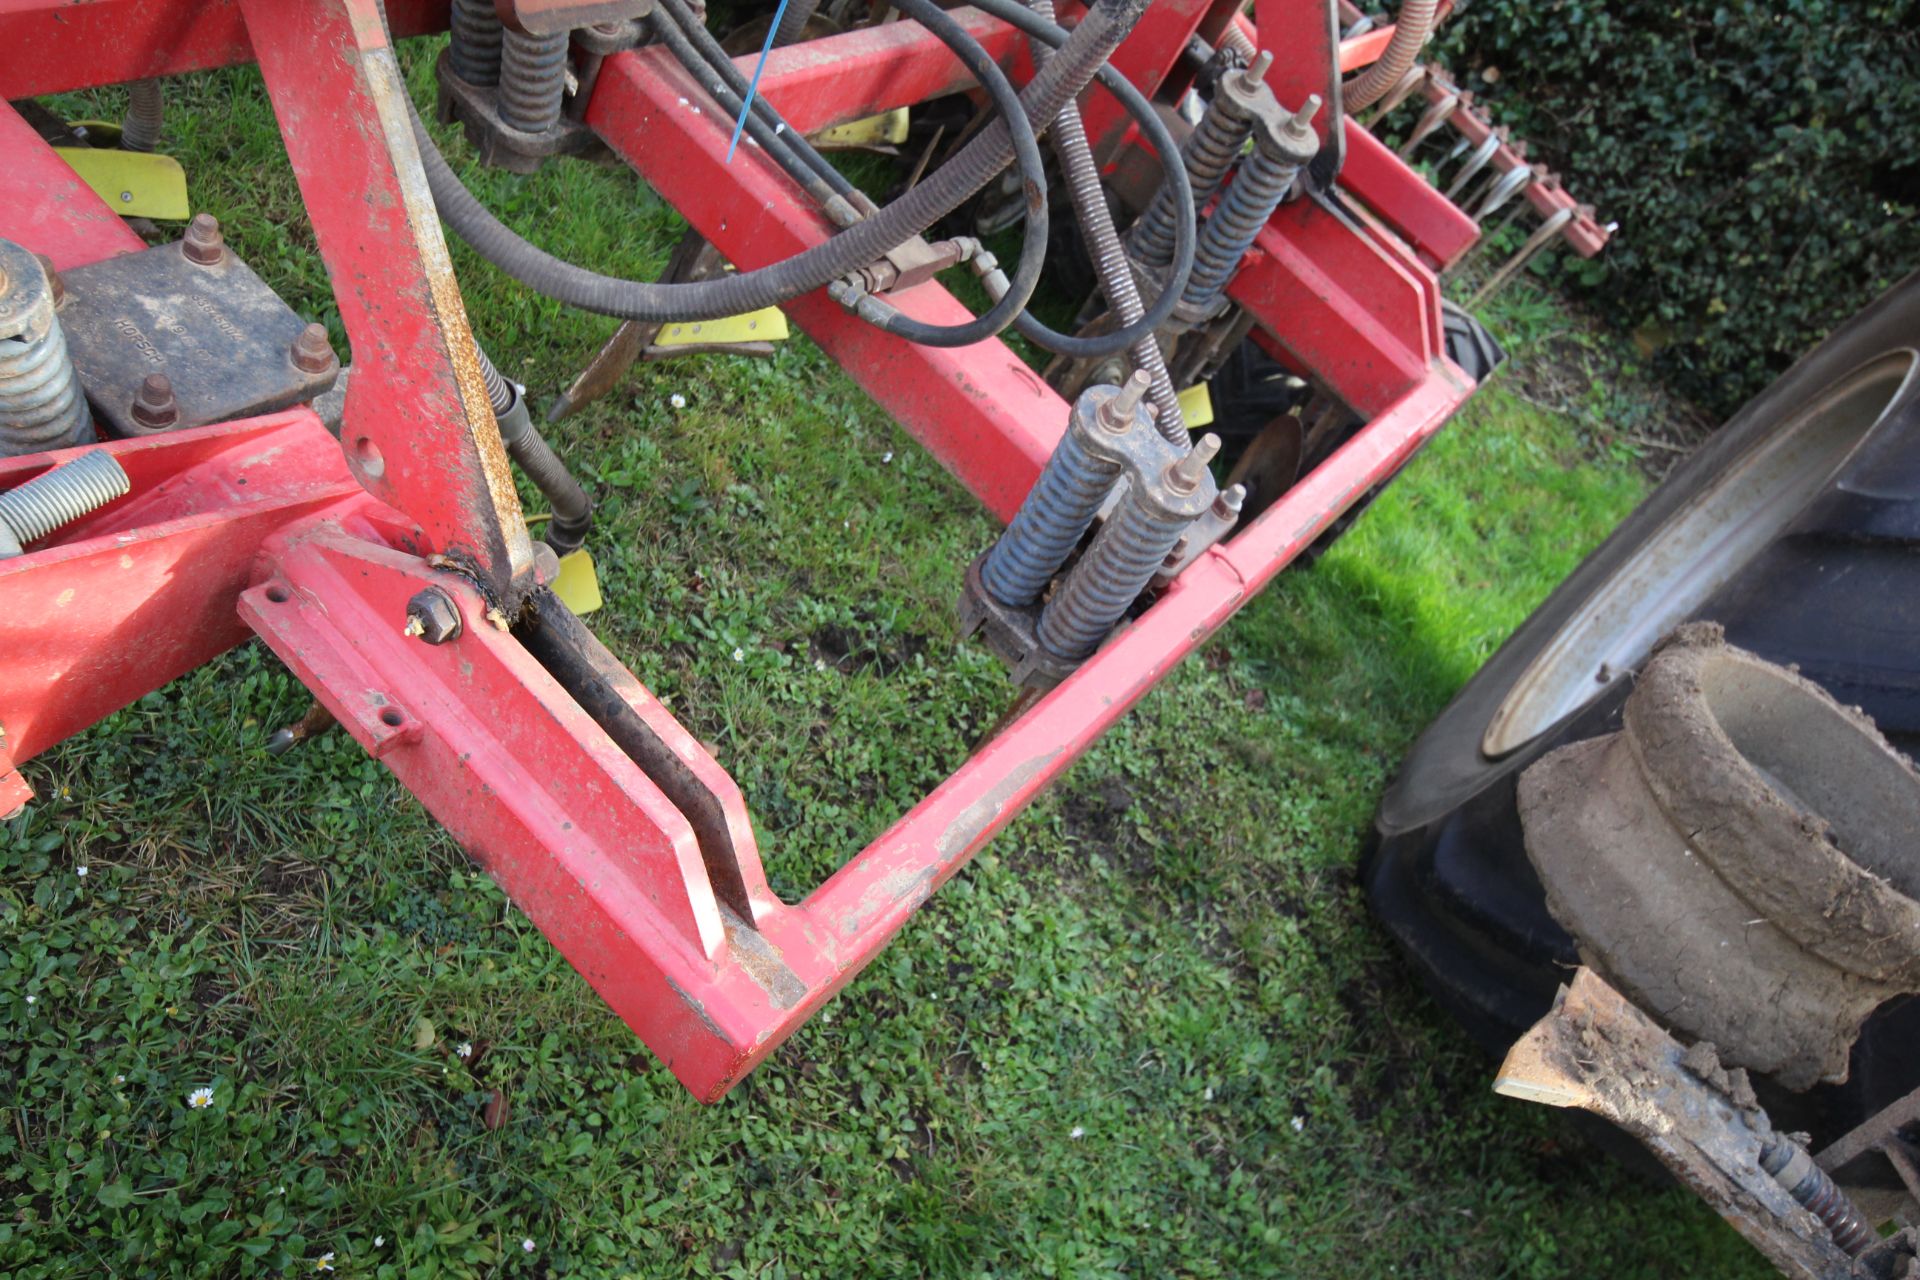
<point>418,430</point>
<point>1596,1052</point>
<point>692,259</point>
<point>223,339</point>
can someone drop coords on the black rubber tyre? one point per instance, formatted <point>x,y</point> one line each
<point>1469,345</point>
<point>1825,575</point>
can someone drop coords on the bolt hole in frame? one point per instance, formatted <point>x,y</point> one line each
<point>603,818</point>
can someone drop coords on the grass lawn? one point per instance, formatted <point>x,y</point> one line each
<point>1152,1031</point>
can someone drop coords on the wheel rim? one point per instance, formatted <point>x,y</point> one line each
<point>1696,551</point>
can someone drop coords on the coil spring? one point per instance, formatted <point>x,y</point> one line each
<point>1818,1194</point>
<point>62,495</point>
<point>146,111</point>
<point>40,402</point>
<point>1125,555</point>
<point>533,80</point>
<point>1049,524</point>
<point>474,53</point>
<point>1230,231</point>
<point>793,23</point>
<point>1214,145</point>
<point>1109,257</point>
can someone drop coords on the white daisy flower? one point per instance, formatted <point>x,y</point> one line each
<point>739,655</point>
<point>887,456</point>
<point>1299,1123</point>
<point>324,1262</point>
<point>526,1246</point>
<point>677,400</point>
<point>1077,1132</point>
<point>33,999</point>
<point>201,1098</point>
<point>80,871</point>
<point>463,1050</point>
<point>378,1241</point>
<point>119,1079</point>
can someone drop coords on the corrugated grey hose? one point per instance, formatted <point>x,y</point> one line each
<point>572,508</point>
<point>1411,27</point>
<point>793,23</point>
<point>1064,75</point>
<point>1069,139</point>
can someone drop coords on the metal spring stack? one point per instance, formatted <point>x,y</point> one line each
<point>1256,192</point>
<point>1129,549</point>
<point>57,497</point>
<point>474,52</point>
<point>1815,1191</point>
<point>1215,144</point>
<point>1066,497</point>
<point>41,405</point>
<point>533,80</point>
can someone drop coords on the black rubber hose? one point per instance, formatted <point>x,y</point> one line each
<point>1185,237</point>
<point>1160,138</point>
<point>716,60</point>
<point>770,140</point>
<point>1097,35</point>
<point>572,508</point>
<point>1033,180</point>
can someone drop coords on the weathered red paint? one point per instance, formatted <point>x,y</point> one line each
<point>261,525</point>
<point>63,219</point>
<point>142,591</point>
<point>419,431</point>
<point>52,46</point>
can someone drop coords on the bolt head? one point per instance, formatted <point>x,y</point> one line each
<point>435,614</point>
<point>204,243</point>
<point>155,407</point>
<point>312,353</point>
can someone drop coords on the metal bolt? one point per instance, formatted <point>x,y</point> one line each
<point>1117,414</point>
<point>1231,499</point>
<point>203,243</point>
<point>433,616</point>
<point>155,407</point>
<point>1184,475</point>
<point>312,353</point>
<point>54,282</point>
<point>1257,69</point>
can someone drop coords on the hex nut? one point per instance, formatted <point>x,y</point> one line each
<point>433,616</point>
<point>203,242</point>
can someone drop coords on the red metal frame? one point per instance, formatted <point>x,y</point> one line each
<point>604,819</point>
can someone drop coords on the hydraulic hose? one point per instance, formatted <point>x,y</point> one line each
<point>827,194</point>
<point>714,59</point>
<point>1097,35</point>
<point>1070,147</point>
<point>572,508</point>
<point>1033,181</point>
<point>1410,31</point>
<point>1019,16</point>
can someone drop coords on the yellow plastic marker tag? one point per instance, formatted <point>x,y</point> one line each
<point>578,586</point>
<point>1196,405</point>
<point>769,324</point>
<point>887,127</point>
<point>134,184</point>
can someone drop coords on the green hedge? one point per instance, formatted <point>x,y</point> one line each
<point>1763,160</point>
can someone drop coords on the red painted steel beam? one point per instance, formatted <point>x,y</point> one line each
<point>52,46</point>
<point>988,418</point>
<point>1153,59</point>
<point>1426,219</point>
<point>1364,50</point>
<point>142,591</point>
<point>830,81</point>
<point>419,431</point>
<point>61,217</point>
<point>1347,304</point>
